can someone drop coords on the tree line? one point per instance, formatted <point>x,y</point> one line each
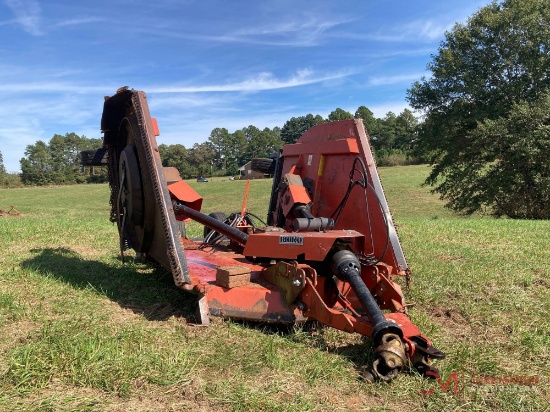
<point>57,162</point>
<point>8,179</point>
<point>223,153</point>
<point>393,137</point>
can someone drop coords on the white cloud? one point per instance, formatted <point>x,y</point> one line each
<point>51,87</point>
<point>302,32</point>
<point>262,81</point>
<point>79,21</point>
<point>427,30</point>
<point>163,101</point>
<point>259,82</point>
<point>396,79</point>
<point>27,14</point>
<point>291,33</point>
<point>388,54</point>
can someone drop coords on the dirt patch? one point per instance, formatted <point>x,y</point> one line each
<point>448,314</point>
<point>15,334</point>
<point>179,397</point>
<point>541,282</point>
<point>157,311</point>
<point>122,315</point>
<point>454,323</point>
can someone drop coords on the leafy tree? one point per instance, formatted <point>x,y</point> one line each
<point>2,168</point>
<point>65,157</point>
<point>56,162</point>
<point>36,166</point>
<point>485,73</point>
<point>517,182</point>
<point>296,126</point>
<point>10,180</point>
<point>4,176</point>
<point>406,130</point>
<point>203,155</point>
<point>387,132</point>
<point>174,155</point>
<point>239,149</point>
<point>179,157</point>
<point>261,142</point>
<point>221,140</point>
<point>339,114</point>
<point>370,122</point>
<point>163,152</point>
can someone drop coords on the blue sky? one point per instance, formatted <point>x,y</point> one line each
<point>207,64</point>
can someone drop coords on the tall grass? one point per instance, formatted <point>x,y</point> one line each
<point>81,331</point>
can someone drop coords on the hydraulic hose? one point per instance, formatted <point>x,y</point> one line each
<point>214,224</point>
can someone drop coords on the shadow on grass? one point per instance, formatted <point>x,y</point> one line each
<point>141,288</point>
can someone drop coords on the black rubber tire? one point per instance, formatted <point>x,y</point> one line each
<point>263,165</point>
<point>132,194</point>
<point>218,216</point>
<point>94,157</point>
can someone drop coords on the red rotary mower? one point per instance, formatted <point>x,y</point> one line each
<point>329,250</point>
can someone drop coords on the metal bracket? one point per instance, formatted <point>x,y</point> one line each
<point>288,277</point>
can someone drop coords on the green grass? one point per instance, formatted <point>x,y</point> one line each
<point>224,195</point>
<point>81,331</point>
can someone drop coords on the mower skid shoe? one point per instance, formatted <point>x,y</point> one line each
<point>126,121</point>
<point>202,312</point>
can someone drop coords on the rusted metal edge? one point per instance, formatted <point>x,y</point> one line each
<point>174,246</point>
<point>12,211</point>
<point>371,165</point>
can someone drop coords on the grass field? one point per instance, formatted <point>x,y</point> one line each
<point>81,331</point>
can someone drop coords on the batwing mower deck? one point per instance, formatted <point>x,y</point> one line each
<point>329,250</point>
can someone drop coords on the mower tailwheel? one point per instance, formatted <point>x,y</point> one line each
<point>94,157</point>
<point>262,165</point>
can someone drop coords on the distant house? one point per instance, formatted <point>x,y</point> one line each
<point>246,173</point>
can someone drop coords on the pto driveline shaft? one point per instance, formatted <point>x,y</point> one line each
<point>214,224</point>
<point>346,266</point>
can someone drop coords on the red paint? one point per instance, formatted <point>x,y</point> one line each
<point>185,193</point>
